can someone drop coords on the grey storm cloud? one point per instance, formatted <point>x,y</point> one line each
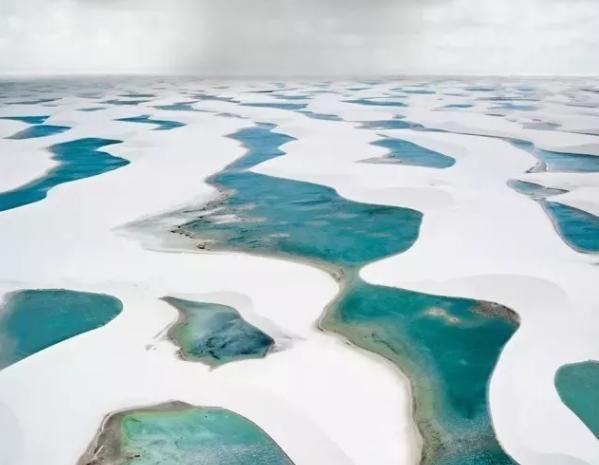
<point>299,37</point>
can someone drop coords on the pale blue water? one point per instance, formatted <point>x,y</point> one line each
<point>33,102</point>
<point>559,161</point>
<point>419,91</point>
<point>579,229</point>
<point>578,387</point>
<point>262,144</point>
<point>77,159</point>
<point>28,119</point>
<point>322,116</point>
<point>216,334</point>
<point>408,153</point>
<point>458,105</point>
<point>162,124</point>
<point>179,106</point>
<point>280,106</point>
<point>447,346</point>
<point>396,123</point>
<point>138,95</point>
<point>542,125</point>
<point>32,320</point>
<point>180,434</point>
<point>39,130</point>
<point>517,107</point>
<point>377,103</point>
<point>117,101</point>
<point>535,191</point>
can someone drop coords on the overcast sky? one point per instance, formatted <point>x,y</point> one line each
<point>300,37</point>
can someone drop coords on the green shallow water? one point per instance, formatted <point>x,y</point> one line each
<point>215,334</point>
<point>181,434</point>
<point>32,320</point>
<point>578,387</point>
<point>447,346</point>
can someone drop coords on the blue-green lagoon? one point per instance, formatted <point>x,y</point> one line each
<point>32,320</point>
<point>447,346</point>
<point>578,387</point>
<point>176,433</point>
<point>39,130</point>
<point>215,334</point>
<point>162,125</point>
<point>578,228</point>
<point>407,153</point>
<point>78,159</point>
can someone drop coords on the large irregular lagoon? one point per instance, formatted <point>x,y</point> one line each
<point>447,346</point>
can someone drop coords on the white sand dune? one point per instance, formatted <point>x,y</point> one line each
<point>300,396</point>
<point>320,399</point>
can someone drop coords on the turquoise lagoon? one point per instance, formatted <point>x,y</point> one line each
<point>215,334</point>
<point>578,387</point>
<point>408,153</point>
<point>162,124</point>
<point>37,129</point>
<point>559,161</point>
<point>579,229</point>
<point>178,106</point>
<point>181,434</point>
<point>373,102</point>
<point>78,159</point>
<point>28,119</point>
<point>32,320</point>
<point>447,346</point>
<point>279,106</point>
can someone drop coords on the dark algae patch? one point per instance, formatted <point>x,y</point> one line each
<point>215,334</point>
<point>176,433</point>
<point>32,320</point>
<point>447,346</point>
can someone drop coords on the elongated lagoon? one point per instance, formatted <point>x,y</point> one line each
<point>447,346</point>
<point>77,159</point>
<point>32,320</point>
<point>578,228</point>
<point>161,125</point>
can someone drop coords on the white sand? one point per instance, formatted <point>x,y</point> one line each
<point>301,396</point>
<point>321,400</point>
